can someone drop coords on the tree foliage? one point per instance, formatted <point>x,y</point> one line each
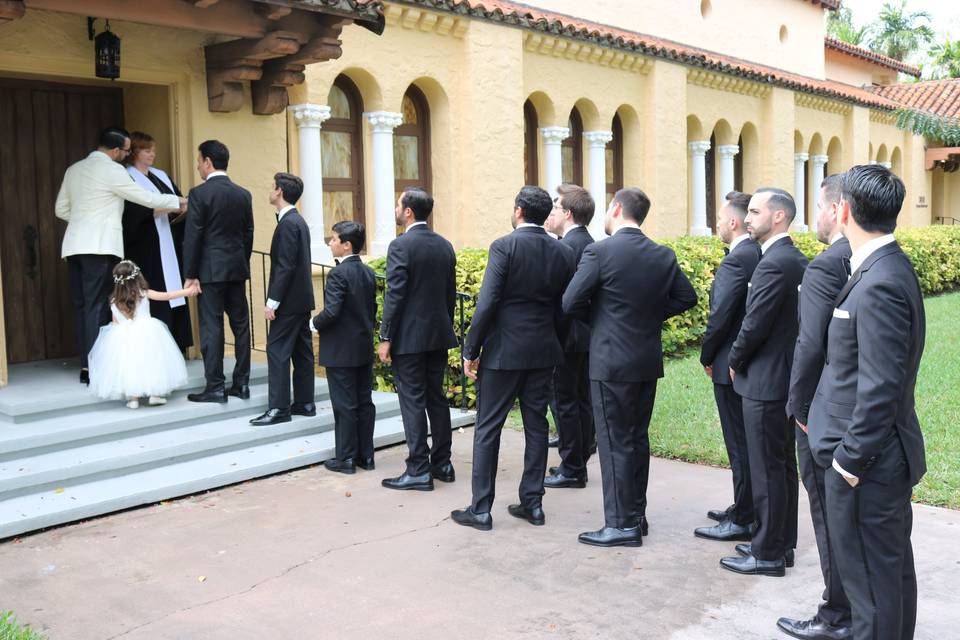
<point>945,59</point>
<point>897,32</point>
<point>926,124</point>
<point>840,26</point>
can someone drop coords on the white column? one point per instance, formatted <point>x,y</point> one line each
<point>726,152</point>
<point>815,179</point>
<point>384,203</point>
<point>309,118</point>
<point>553,138</point>
<point>698,152</point>
<point>597,144</point>
<point>799,193</point>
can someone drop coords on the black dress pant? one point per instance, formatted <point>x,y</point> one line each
<point>217,298</point>
<point>290,339</point>
<point>419,380</point>
<point>622,412</point>
<point>730,409</point>
<point>497,390</point>
<point>573,414</point>
<point>869,528</point>
<point>91,281</point>
<point>773,477</point>
<point>354,414</point>
<point>835,608</point>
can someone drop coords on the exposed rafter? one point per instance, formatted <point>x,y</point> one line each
<point>11,10</point>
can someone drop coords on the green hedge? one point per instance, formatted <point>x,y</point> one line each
<point>934,251</point>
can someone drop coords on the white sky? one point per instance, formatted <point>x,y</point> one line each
<point>944,14</point>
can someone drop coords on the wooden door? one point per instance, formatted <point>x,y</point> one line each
<point>44,127</point>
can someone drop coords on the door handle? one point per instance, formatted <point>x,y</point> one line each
<point>30,244</point>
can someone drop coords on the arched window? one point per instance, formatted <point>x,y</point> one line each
<point>530,144</point>
<point>411,144</point>
<point>572,151</point>
<point>341,153</point>
<point>614,153</point>
<point>738,167</point>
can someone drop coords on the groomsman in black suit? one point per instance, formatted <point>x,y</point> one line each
<point>627,285</point>
<point>415,334</point>
<point>760,361</point>
<point>511,351</point>
<point>728,296</point>
<point>572,211</point>
<point>346,334</point>
<point>822,281</point>
<point>217,244</point>
<point>863,429</point>
<point>289,302</point>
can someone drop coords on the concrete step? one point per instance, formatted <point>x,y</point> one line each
<point>49,507</point>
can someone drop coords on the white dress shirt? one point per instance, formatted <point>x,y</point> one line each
<point>738,240</point>
<point>835,237</point>
<point>632,225</point>
<point>352,256</point>
<point>528,224</point>
<point>273,304</point>
<point>414,224</point>
<point>214,174</point>
<point>769,242</point>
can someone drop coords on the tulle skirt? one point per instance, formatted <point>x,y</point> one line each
<point>135,359</point>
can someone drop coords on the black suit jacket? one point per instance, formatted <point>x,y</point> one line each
<point>421,293</point>
<point>628,285</point>
<point>728,297</point>
<point>349,312</point>
<point>577,338</point>
<point>866,393</point>
<point>763,351</point>
<point>291,279</point>
<point>822,281</point>
<point>518,321</point>
<point>218,238</point>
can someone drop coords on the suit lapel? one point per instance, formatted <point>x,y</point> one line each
<point>869,262</point>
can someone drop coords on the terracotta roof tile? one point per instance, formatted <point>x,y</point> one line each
<point>939,97</point>
<point>870,56</point>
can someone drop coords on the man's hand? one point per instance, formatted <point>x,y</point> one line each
<point>183,204</point>
<point>470,368</point>
<point>733,374</point>
<point>190,283</point>
<point>802,426</point>
<point>269,314</point>
<point>708,370</point>
<point>383,350</point>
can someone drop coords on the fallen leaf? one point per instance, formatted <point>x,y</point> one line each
<point>348,494</point>
<point>58,490</point>
<point>202,579</point>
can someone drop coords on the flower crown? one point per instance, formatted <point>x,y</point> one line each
<point>133,274</point>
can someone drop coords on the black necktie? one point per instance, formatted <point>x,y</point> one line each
<point>277,215</point>
<point>336,262</point>
<point>846,266</point>
<point>726,251</point>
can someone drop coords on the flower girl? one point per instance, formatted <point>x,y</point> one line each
<point>135,356</point>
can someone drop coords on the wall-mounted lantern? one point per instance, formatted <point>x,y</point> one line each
<point>106,47</point>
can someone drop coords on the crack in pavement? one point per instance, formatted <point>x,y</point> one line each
<point>282,574</point>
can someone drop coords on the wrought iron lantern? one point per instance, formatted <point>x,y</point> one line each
<point>106,48</point>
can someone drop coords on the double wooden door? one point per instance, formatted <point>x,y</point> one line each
<point>44,127</point>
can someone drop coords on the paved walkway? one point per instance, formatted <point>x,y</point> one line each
<point>312,554</point>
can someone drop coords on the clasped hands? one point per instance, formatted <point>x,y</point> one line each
<point>192,285</point>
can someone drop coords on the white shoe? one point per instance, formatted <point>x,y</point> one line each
<point>156,401</point>
<point>133,404</point>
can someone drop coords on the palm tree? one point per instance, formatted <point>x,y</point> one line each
<point>898,32</point>
<point>840,26</point>
<point>945,58</point>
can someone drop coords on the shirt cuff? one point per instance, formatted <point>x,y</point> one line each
<point>842,471</point>
<point>273,304</point>
<point>313,329</point>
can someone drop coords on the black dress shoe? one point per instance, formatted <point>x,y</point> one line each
<point>560,481</point>
<point>612,537</point>
<point>366,464</point>
<point>553,442</point>
<point>208,396</point>
<point>644,526</point>
<point>726,531</point>
<point>555,470</point>
<point>443,473</point>
<point>406,482</point>
<point>341,466</point>
<point>533,516</point>
<point>720,514</point>
<point>301,408</point>
<point>467,518</point>
<point>749,565</point>
<point>272,416</point>
<point>815,629</point>
<point>84,376</point>
<point>788,559</point>
<point>241,391</point>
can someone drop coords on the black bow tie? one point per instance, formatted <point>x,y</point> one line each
<point>277,216</point>
<point>726,251</point>
<point>336,262</point>
<point>846,266</point>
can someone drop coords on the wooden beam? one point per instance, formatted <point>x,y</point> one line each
<point>941,154</point>
<point>225,87</point>
<point>11,10</point>
<point>272,11</point>
<point>269,93</point>
<point>203,4</point>
<point>275,44</point>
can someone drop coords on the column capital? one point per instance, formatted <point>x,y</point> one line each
<point>820,159</point>
<point>309,115</point>
<point>886,165</point>
<point>554,135</point>
<point>801,157</point>
<point>384,121</point>
<point>728,150</point>
<point>699,147</point>
<point>598,138</point>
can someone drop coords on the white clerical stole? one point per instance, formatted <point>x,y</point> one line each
<point>168,253</point>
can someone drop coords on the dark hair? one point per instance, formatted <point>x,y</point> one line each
<point>129,286</point>
<point>535,203</point>
<point>833,187</point>
<point>113,138</point>
<point>138,142</point>
<point>419,201</point>
<point>780,199</point>
<point>635,203</point>
<point>875,196</point>
<point>290,185</point>
<point>352,232</point>
<point>217,152</point>
<point>577,201</point>
<point>739,203</point>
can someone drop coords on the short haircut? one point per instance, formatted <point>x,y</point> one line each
<point>352,232</point>
<point>113,138</point>
<point>138,142</point>
<point>833,187</point>
<point>739,203</point>
<point>535,203</point>
<point>780,199</point>
<point>217,152</point>
<point>635,203</point>
<point>418,200</point>
<point>290,185</point>
<point>578,202</point>
<point>875,196</point>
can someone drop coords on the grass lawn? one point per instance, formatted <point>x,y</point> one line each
<point>10,630</point>
<point>685,425</point>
